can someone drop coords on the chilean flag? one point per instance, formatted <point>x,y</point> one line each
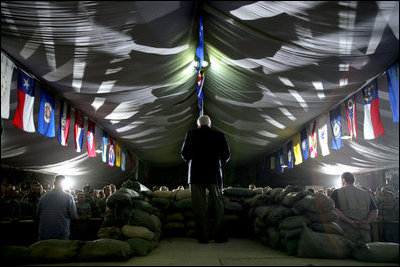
<point>78,129</point>
<point>23,118</point>
<point>90,144</point>
<point>351,114</point>
<point>63,128</point>
<point>372,119</point>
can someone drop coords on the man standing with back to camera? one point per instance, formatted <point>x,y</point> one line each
<point>206,152</point>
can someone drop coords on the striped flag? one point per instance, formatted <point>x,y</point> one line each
<point>90,142</point>
<point>23,118</point>
<point>7,69</point>
<point>78,130</point>
<point>312,139</point>
<point>63,127</point>
<point>373,127</point>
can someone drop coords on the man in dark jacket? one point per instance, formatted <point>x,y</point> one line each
<point>206,152</point>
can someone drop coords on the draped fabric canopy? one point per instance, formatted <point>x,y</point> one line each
<point>274,67</point>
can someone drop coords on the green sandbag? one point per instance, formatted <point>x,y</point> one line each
<point>140,246</point>
<point>322,245</point>
<point>161,203</point>
<point>238,192</point>
<point>294,222</point>
<point>377,252</point>
<point>14,254</point>
<point>105,249</point>
<point>183,204</point>
<point>317,217</point>
<point>55,250</point>
<point>330,228</point>
<point>141,218</point>
<point>277,215</point>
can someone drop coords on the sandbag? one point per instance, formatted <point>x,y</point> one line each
<point>161,203</point>
<point>259,200</point>
<point>146,206</point>
<point>288,189</point>
<point>14,254</point>
<point>277,215</point>
<point>293,197</point>
<point>273,237</point>
<point>232,207</point>
<point>105,249</point>
<point>317,217</point>
<point>183,204</point>
<point>292,222</point>
<point>162,194</point>
<point>110,232</point>
<point>238,192</point>
<point>377,252</point>
<point>329,228</point>
<point>141,218</point>
<point>262,212</point>
<point>137,231</point>
<point>140,246</point>
<point>121,199</point>
<point>275,192</point>
<point>182,194</point>
<point>322,245</point>
<point>315,203</point>
<point>55,250</point>
<point>173,217</point>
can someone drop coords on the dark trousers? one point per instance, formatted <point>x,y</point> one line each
<point>208,210</point>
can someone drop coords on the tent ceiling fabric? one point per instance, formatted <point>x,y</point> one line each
<point>274,67</point>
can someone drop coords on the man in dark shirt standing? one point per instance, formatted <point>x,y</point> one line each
<point>356,209</point>
<point>206,152</point>
<point>55,210</point>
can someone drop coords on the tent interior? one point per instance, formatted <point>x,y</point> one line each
<point>274,68</point>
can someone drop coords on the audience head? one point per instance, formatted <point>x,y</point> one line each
<point>348,178</point>
<point>204,120</point>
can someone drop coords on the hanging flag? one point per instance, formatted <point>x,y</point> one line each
<point>372,119</point>
<point>46,125</point>
<point>272,162</point>
<point>392,74</point>
<point>279,161</point>
<point>117,154</point>
<point>90,142</point>
<point>290,155</point>
<point>130,161</point>
<point>78,130</point>
<point>23,118</point>
<point>63,127</point>
<point>7,69</point>
<point>105,144</point>
<point>351,115</point>
<point>111,152</point>
<point>323,136</point>
<point>304,143</point>
<point>312,139</point>
<point>200,69</point>
<point>336,126</point>
<point>297,150</point>
<point>123,161</point>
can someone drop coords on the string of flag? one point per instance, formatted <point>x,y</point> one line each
<point>304,144</point>
<point>114,153</point>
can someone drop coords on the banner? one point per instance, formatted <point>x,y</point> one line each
<point>392,74</point>
<point>336,126</point>
<point>117,154</point>
<point>111,152</point>
<point>46,124</point>
<point>297,150</point>
<point>23,117</point>
<point>373,127</point>
<point>105,144</point>
<point>323,136</point>
<point>63,127</point>
<point>290,155</point>
<point>7,69</point>
<point>123,159</point>
<point>304,143</point>
<point>351,116</point>
<point>312,139</point>
<point>90,140</point>
<point>78,130</point>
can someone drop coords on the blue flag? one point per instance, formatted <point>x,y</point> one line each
<point>336,126</point>
<point>290,155</point>
<point>200,69</point>
<point>279,161</point>
<point>46,125</point>
<point>393,86</point>
<point>304,143</point>
<point>123,159</point>
<point>105,144</point>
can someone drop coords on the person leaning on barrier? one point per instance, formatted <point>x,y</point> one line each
<point>356,209</point>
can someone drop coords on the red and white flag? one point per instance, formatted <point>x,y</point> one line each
<point>90,144</point>
<point>23,118</point>
<point>372,119</point>
<point>312,139</point>
<point>78,129</point>
<point>63,127</point>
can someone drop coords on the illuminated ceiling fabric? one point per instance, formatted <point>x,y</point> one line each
<point>274,67</point>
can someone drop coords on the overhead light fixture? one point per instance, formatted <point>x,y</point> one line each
<point>284,166</point>
<point>346,137</point>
